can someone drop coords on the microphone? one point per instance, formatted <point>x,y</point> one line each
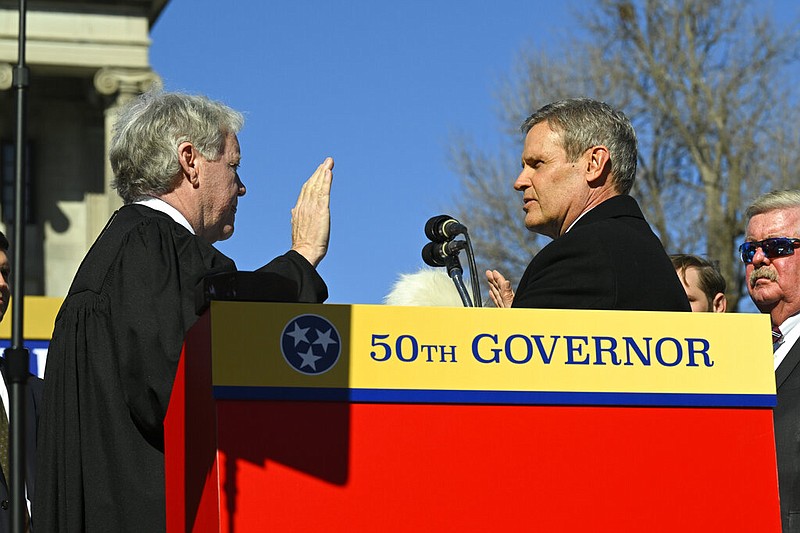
<point>443,228</point>
<point>436,254</point>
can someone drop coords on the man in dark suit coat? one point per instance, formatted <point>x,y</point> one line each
<point>33,394</point>
<point>772,270</point>
<point>578,166</point>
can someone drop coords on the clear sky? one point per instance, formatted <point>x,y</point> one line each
<point>382,86</point>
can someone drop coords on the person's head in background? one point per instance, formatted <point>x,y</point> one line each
<point>703,283</point>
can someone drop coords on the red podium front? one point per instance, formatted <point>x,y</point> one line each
<point>291,417</point>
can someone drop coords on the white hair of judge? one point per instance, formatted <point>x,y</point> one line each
<point>426,287</point>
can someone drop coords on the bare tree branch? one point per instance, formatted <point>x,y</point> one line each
<point>710,89</point>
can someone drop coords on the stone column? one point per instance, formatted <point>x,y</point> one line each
<point>120,86</point>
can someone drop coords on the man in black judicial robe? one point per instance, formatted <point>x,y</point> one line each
<point>578,166</point>
<point>118,335</point>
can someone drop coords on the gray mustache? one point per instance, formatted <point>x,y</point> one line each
<point>763,272</point>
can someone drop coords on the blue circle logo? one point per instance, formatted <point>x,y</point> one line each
<point>310,344</point>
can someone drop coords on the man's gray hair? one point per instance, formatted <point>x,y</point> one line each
<point>583,123</point>
<point>148,131</point>
<point>788,199</point>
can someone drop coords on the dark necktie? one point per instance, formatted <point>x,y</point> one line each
<point>777,336</point>
<point>4,461</point>
<point>4,441</point>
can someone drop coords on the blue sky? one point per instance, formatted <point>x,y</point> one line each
<point>382,86</point>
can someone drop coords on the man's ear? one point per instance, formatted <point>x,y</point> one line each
<point>188,158</point>
<point>597,165</point>
<point>720,303</point>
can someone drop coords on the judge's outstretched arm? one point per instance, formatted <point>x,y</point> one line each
<point>311,216</point>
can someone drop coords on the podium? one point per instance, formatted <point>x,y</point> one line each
<point>302,417</point>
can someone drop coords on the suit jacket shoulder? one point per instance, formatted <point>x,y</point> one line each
<point>610,259</point>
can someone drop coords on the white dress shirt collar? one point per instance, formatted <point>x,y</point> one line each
<point>160,205</point>
<point>790,329</point>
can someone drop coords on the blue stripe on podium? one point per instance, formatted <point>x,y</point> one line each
<point>493,397</point>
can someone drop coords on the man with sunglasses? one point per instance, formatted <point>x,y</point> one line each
<point>772,271</point>
<point>578,167</point>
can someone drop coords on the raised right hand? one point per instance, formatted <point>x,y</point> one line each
<point>311,216</point>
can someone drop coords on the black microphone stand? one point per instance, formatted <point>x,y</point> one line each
<point>17,356</point>
<point>456,273</point>
<point>443,251</point>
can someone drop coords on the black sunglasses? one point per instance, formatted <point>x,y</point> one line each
<point>775,247</point>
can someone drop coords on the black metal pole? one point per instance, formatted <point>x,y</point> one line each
<point>17,358</point>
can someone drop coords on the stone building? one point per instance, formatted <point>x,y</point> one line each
<point>85,58</point>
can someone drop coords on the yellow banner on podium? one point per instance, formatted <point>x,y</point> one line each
<point>479,355</point>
